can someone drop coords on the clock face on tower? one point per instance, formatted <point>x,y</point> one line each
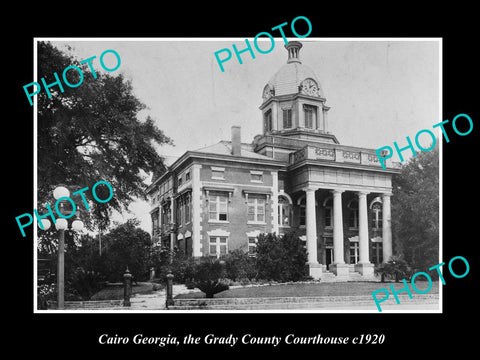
<point>309,87</point>
<point>267,93</point>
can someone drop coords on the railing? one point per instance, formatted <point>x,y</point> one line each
<point>340,154</point>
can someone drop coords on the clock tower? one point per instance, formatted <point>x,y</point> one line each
<point>293,100</point>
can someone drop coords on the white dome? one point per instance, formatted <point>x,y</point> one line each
<point>288,79</point>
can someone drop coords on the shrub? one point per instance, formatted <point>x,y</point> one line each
<point>48,293</point>
<point>45,293</point>
<point>396,268</point>
<point>281,258</point>
<point>85,283</point>
<point>239,265</point>
<point>180,266</point>
<point>209,276</point>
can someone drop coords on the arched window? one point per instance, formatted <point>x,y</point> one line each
<point>328,206</point>
<point>284,211</point>
<point>376,215</point>
<point>353,214</point>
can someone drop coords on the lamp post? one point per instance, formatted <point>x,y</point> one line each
<point>61,225</point>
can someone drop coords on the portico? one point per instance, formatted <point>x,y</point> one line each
<point>339,266</point>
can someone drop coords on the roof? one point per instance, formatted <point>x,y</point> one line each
<point>288,79</point>
<point>225,148</point>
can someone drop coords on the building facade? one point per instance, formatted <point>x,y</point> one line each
<point>296,176</point>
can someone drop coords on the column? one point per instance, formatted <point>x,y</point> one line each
<point>325,117</point>
<point>311,222</point>
<point>338,267</point>
<point>364,266</point>
<point>387,227</point>
<point>274,202</point>
<point>337,227</point>
<point>274,117</point>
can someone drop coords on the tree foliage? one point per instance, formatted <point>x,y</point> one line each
<point>93,132</point>
<point>127,245</point>
<point>415,210</point>
<point>281,258</point>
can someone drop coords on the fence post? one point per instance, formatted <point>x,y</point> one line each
<point>169,301</point>
<point>127,287</point>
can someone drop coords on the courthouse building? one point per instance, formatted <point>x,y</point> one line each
<point>295,176</point>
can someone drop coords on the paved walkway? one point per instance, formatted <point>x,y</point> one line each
<point>156,300</point>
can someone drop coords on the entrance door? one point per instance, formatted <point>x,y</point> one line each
<point>328,257</point>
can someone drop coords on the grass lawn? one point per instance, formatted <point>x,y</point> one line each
<point>115,291</point>
<point>305,289</point>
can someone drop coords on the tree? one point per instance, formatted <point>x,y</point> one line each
<point>126,245</point>
<point>90,133</point>
<point>281,258</point>
<point>415,210</point>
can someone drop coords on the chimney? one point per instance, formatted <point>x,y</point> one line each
<point>236,141</point>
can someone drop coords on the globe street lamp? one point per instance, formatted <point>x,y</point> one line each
<point>61,225</point>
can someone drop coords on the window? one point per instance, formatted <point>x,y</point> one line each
<point>353,214</point>
<point>180,180</point>
<point>252,246</point>
<point>256,176</point>
<point>328,213</point>
<point>377,215</point>
<point>166,214</point>
<point>267,118</point>
<point>155,222</point>
<point>354,252</point>
<point>218,173</point>
<point>187,176</point>
<point>179,211</point>
<point>284,209</point>
<point>256,209</point>
<point>287,118</point>
<point>188,205</point>
<point>310,116</point>
<point>218,207</point>
<point>377,255</point>
<point>218,246</point>
<point>303,213</point>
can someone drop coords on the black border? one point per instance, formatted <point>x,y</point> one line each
<point>77,334</point>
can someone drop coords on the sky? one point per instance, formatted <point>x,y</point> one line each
<point>379,91</point>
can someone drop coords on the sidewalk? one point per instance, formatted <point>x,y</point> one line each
<point>156,300</point>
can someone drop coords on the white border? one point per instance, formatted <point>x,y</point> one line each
<point>289,311</point>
